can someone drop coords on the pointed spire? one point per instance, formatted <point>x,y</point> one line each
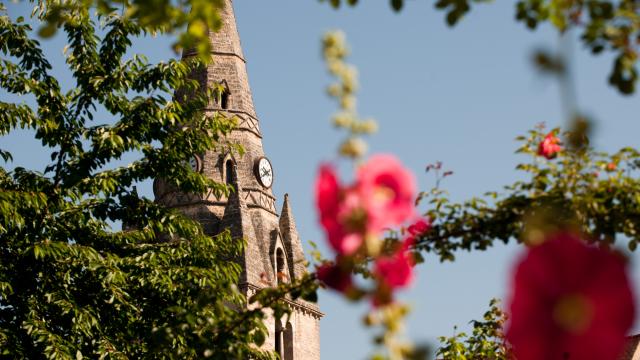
<point>286,215</point>
<point>291,239</point>
<point>228,69</point>
<point>226,41</point>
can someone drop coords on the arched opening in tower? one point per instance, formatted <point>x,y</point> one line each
<point>284,341</point>
<point>224,100</point>
<point>228,170</point>
<point>279,338</point>
<point>222,94</point>
<point>281,275</point>
<point>288,342</point>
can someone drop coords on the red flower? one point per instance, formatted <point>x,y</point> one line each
<point>420,227</point>
<point>388,189</point>
<point>327,191</point>
<point>382,196</point>
<point>396,271</point>
<point>569,299</point>
<point>334,277</point>
<point>331,206</point>
<point>549,146</point>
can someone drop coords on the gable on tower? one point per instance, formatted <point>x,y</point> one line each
<point>280,259</point>
<point>289,231</point>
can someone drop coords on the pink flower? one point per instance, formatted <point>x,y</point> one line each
<point>327,191</point>
<point>388,189</point>
<point>569,301</point>
<point>334,212</point>
<point>382,196</point>
<point>334,277</point>
<point>419,227</point>
<point>344,243</point>
<point>549,146</point>
<point>396,270</point>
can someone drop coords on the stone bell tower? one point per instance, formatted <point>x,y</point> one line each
<point>274,252</point>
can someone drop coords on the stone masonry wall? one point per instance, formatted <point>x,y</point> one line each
<point>251,212</point>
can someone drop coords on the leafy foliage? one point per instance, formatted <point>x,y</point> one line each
<point>396,5</point>
<point>597,193</point>
<point>455,9</point>
<point>604,25</point>
<point>197,17</point>
<point>72,286</point>
<point>486,341</point>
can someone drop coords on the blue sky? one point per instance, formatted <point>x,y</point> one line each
<point>457,95</point>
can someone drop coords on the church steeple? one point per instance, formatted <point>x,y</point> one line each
<point>273,250</point>
<point>228,66</point>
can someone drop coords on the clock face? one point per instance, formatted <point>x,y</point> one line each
<point>194,162</point>
<point>264,172</point>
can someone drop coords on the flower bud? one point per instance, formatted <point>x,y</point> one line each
<point>370,126</point>
<point>334,90</point>
<point>353,147</point>
<point>348,102</point>
<point>342,119</point>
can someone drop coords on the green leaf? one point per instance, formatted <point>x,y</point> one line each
<point>47,30</point>
<point>311,296</point>
<point>396,5</point>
